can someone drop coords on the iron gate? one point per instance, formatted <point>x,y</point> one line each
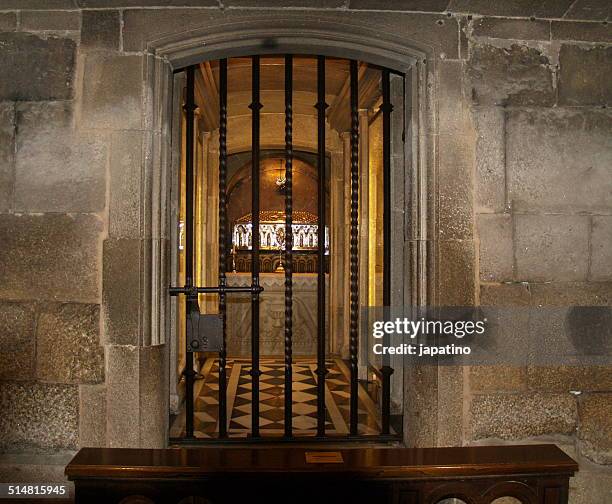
<point>202,329</point>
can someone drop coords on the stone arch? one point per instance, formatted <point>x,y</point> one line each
<point>289,33</point>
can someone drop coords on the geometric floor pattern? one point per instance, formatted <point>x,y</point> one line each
<point>271,400</point>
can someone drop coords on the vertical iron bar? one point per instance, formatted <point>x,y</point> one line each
<point>386,369</point>
<point>288,243</point>
<point>223,243</point>
<point>321,369</point>
<point>189,372</point>
<point>255,107</point>
<point>354,251</point>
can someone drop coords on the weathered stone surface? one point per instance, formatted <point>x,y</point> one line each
<point>595,428</point>
<point>551,247</point>
<point>68,344</point>
<point>100,30</point>
<point>431,31</point>
<point>109,102</point>
<point>50,20</point>
<point>517,8</point>
<point>153,399</point>
<point>456,193</point>
<point>400,5</point>
<point>38,414</point>
<point>516,416</point>
<point>588,486</point>
<point>7,155</point>
<point>601,248</point>
<point>35,68</point>
<point>454,113</point>
<point>559,160</point>
<point>17,341</point>
<point>56,171</point>
<point>456,274</point>
<point>572,294</point>
<point>125,184</point>
<point>496,251</point>
<point>583,32</point>
<point>517,294</point>
<point>122,396</point>
<point>42,255</point>
<point>569,378</point>
<point>421,405</point>
<point>486,379</point>
<point>92,415</point>
<point>517,29</point>
<point>518,75</point>
<point>585,75</point>
<point>120,291</point>
<point>490,194</point>
<point>590,9</point>
<point>8,21</point>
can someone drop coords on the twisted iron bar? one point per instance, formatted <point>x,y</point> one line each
<point>354,244</point>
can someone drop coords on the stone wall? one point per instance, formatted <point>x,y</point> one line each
<point>521,141</point>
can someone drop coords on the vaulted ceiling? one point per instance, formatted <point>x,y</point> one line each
<point>272,88</point>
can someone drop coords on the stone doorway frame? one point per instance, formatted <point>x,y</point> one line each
<point>413,170</point>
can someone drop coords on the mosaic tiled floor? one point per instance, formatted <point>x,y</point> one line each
<point>271,395</point>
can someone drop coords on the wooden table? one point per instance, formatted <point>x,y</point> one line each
<point>534,474</point>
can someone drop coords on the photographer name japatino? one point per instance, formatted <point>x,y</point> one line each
<point>423,328</point>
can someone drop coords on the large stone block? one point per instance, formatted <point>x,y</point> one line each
<point>517,416</point>
<point>572,294</point>
<point>7,154</point>
<point>429,31</point>
<point>514,29</point>
<point>38,414</point>
<point>487,379</point>
<point>153,399</point>
<point>516,294</point>
<point>559,160</point>
<point>50,20</point>
<point>57,171</point>
<point>122,396</point>
<point>68,344</point>
<point>495,245</point>
<point>595,428</point>
<point>569,378</point>
<point>17,341</point>
<point>121,291</point>
<point>110,102</point>
<point>601,248</point>
<point>456,187</point>
<point>551,247</point>
<point>517,8</point>
<point>490,191</point>
<point>100,30</point>
<point>585,75</point>
<point>457,273</point>
<point>588,486</point>
<point>515,75</point>
<point>36,68</point>
<point>125,184</point>
<point>92,415</point>
<point>49,257</point>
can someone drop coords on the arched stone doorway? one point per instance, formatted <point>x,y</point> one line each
<point>413,210</point>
